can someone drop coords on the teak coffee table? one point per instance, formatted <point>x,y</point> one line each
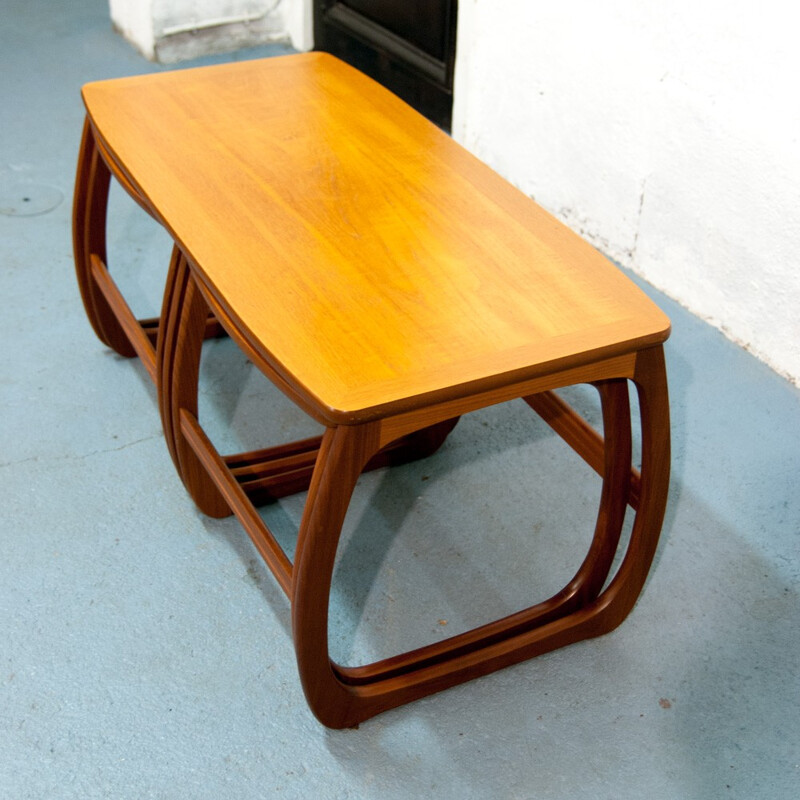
<point>387,282</point>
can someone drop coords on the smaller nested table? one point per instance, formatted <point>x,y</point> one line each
<point>387,282</point>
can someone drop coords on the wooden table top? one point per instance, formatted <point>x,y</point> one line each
<point>368,256</point>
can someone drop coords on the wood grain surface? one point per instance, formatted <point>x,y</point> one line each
<point>367,256</point>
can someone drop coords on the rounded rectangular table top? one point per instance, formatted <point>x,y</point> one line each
<point>366,256</point>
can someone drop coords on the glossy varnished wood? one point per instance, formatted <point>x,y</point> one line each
<point>387,282</point>
<point>396,264</point>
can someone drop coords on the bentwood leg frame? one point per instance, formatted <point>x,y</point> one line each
<point>380,424</point>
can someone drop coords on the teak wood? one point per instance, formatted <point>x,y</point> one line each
<point>387,282</point>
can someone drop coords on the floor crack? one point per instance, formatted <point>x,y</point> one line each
<point>80,456</point>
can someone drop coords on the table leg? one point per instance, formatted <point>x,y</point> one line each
<point>89,209</point>
<point>617,600</point>
<point>183,323</point>
<point>344,696</point>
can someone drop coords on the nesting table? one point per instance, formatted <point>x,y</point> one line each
<point>387,282</point>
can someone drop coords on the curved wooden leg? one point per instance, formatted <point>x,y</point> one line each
<point>183,324</point>
<point>344,696</point>
<point>616,602</point>
<point>89,209</point>
<point>593,572</point>
<point>343,454</point>
<point>616,487</point>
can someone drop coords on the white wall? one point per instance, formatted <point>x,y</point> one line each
<point>299,19</point>
<point>666,133</point>
<point>173,30</point>
<point>134,20</point>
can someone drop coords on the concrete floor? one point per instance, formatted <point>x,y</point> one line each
<point>145,651</point>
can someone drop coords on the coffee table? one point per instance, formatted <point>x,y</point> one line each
<point>387,282</point>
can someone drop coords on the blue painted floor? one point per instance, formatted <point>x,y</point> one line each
<point>145,652</point>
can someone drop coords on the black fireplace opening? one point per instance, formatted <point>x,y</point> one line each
<point>407,45</point>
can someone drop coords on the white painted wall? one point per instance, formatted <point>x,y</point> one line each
<point>173,30</point>
<point>134,20</point>
<point>666,133</point>
<point>299,18</point>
